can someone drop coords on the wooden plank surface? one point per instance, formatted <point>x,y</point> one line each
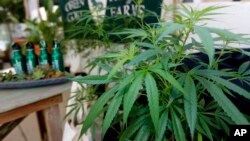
<point>27,109</point>
<point>13,98</point>
<point>50,118</point>
<point>54,123</point>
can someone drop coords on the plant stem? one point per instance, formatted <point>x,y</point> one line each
<point>185,40</point>
<point>200,137</point>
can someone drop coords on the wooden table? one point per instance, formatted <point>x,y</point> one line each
<point>15,104</point>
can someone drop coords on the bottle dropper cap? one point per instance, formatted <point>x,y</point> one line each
<point>29,45</point>
<point>55,44</point>
<point>16,46</point>
<point>42,44</point>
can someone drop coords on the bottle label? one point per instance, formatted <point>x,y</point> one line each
<point>43,58</point>
<point>55,65</point>
<point>17,61</point>
<point>30,66</point>
<point>44,62</point>
<point>18,68</point>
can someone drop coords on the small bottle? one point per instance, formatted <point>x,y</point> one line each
<point>43,57</point>
<point>31,58</point>
<point>17,59</point>
<point>57,57</point>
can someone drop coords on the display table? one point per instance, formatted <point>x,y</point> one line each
<point>15,104</point>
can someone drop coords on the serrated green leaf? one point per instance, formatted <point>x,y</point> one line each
<point>104,67</point>
<point>231,86</point>
<point>70,111</point>
<point>142,57</point>
<point>153,99</point>
<point>143,134</point>
<point>131,95</point>
<point>207,41</point>
<point>177,127</point>
<point>92,79</point>
<point>246,73</point>
<point>97,108</point>
<point>206,129</point>
<point>171,28</point>
<point>199,128</point>
<point>223,101</point>
<point>190,104</point>
<point>112,111</point>
<point>227,35</point>
<point>188,46</point>
<point>186,9</point>
<point>128,79</point>
<point>132,33</point>
<point>208,11</point>
<point>133,127</point>
<point>245,52</point>
<point>116,67</point>
<point>224,126</point>
<point>211,106</point>
<point>244,67</point>
<point>165,61</point>
<point>162,125</point>
<point>212,72</point>
<point>209,122</point>
<point>112,55</point>
<point>144,44</point>
<point>167,76</point>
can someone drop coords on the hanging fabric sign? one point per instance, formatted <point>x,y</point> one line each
<point>72,10</point>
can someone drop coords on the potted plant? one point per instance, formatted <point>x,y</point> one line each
<point>47,29</point>
<point>154,93</point>
<point>12,14</point>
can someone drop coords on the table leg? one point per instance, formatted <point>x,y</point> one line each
<point>42,125</point>
<point>6,128</point>
<point>54,123</point>
<point>50,123</point>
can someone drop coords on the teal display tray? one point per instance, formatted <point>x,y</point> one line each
<point>32,83</point>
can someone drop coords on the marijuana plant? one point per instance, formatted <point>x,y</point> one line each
<point>154,93</point>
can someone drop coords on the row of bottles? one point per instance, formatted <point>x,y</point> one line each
<point>23,64</point>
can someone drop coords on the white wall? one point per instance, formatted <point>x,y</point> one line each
<point>236,17</point>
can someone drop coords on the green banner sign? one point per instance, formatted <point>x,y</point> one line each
<point>73,10</point>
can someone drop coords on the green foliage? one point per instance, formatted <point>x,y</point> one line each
<point>9,76</point>
<point>11,11</point>
<point>93,31</point>
<point>131,96</point>
<point>163,98</point>
<point>96,109</point>
<point>112,111</point>
<point>223,101</point>
<point>177,127</point>
<point>190,103</point>
<point>207,41</point>
<point>40,72</point>
<point>93,80</point>
<point>48,29</point>
<point>153,99</point>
